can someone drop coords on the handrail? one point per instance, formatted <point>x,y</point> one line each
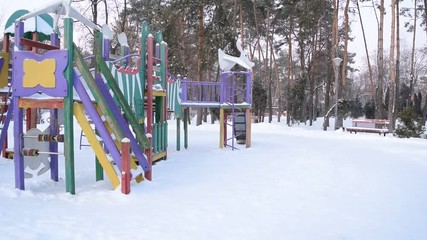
<point>35,44</point>
<point>125,57</point>
<point>89,57</point>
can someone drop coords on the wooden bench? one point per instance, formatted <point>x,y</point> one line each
<point>379,126</point>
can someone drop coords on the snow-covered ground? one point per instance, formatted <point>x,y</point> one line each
<point>293,183</point>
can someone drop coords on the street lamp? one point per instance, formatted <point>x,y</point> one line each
<point>337,62</point>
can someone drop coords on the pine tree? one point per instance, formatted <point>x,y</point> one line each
<point>410,124</point>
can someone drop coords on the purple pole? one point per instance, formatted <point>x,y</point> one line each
<point>18,124</point>
<point>54,39</point>
<point>184,90</point>
<point>18,127</point>
<point>19,32</point>
<point>157,52</point>
<point>53,128</point>
<point>249,87</point>
<point>106,52</point>
<point>53,146</point>
<point>222,88</point>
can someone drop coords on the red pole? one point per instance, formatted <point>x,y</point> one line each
<point>32,112</point>
<point>125,166</point>
<point>6,45</point>
<point>6,42</point>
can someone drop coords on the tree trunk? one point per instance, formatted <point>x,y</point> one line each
<point>380,58</point>
<point>94,7</point>
<point>267,76</point>
<point>391,101</point>
<point>342,91</point>
<point>241,25</point>
<point>290,74</point>
<point>106,11</point>
<point>334,54</point>
<point>311,78</point>
<point>335,30</point>
<point>329,76</point>
<point>304,76</point>
<point>200,55</point>
<point>371,80</point>
<point>397,66</point>
<point>425,11</point>
<point>277,93</point>
<point>412,73</point>
<point>123,25</point>
<point>345,54</point>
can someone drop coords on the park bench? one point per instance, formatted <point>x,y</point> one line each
<point>379,126</point>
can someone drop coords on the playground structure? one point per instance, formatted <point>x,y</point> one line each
<point>127,106</point>
<point>117,109</point>
<point>232,95</point>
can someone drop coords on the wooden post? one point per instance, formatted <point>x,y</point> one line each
<point>221,128</point>
<point>125,166</point>
<point>6,42</point>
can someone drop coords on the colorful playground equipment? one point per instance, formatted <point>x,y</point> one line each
<point>114,99</point>
<point>121,104</point>
<point>232,95</point>
<point>37,28</point>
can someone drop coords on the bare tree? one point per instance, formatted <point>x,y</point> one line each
<point>412,75</point>
<point>397,66</point>
<point>372,86</point>
<point>200,55</point>
<point>380,64</point>
<point>392,85</point>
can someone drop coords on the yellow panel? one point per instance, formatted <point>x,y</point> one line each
<point>4,70</point>
<point>139,178</point>
<point>96,145</point>
<point>159,94</point>
<point>159,156</point>
<point>39,73</point>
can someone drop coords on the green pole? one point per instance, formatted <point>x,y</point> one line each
<point>145,31</point>
<point>178,134</point>
<point>186,128</point>
<point>166,135</point>
<point>99,171</point>
<point>68,111</point>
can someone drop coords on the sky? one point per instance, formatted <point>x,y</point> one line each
<point>8,7</point>
<point>371,31</point>
<point>294,183</point>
